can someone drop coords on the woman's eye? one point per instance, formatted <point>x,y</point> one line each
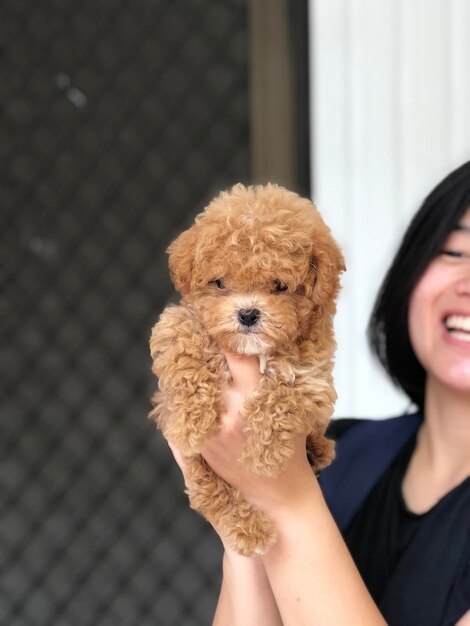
<point>278,287</point>
<point>218,282</point>
<point>456,254</point>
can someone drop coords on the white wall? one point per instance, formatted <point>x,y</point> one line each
<point>390,107</point>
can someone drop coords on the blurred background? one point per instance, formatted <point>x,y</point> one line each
<point>390,117</point>
<point>120,120</point>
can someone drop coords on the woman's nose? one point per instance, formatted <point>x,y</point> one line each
<point>463,283</point>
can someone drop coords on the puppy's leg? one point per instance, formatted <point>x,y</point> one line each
<point>191,374</point>
<point>274,415</point>
<point>320,450</point>
<point>270,422</point>
<point>244,528</point>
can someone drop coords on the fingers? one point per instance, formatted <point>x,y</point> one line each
<point>244,370</point>
<point>180,460</point>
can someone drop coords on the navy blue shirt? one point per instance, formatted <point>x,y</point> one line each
<point>416,567</point>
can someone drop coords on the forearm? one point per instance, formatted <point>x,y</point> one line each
<point>311,572</point>
<point>246,597</point>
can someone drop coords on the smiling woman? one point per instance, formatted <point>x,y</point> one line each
<point>432,232</point>
<point>439,313</point>
<point>421,497</point>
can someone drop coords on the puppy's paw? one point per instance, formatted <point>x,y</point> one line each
<point>253,534</point>
<point>246,529</point>
<point>320,450</point>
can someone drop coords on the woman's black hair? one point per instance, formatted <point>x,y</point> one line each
<point>388,326</point>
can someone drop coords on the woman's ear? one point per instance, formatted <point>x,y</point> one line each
<point>182,253</point>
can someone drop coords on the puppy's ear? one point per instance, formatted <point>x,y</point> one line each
<point>327,264</point>
<point>182,253</point>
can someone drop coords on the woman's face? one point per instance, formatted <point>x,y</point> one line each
<point>439,312</point>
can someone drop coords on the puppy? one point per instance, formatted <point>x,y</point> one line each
<point>259,275</point>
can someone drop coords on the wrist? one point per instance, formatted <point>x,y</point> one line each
<point>233,561</point>
<point>290,495</point>
<point>296,518</point>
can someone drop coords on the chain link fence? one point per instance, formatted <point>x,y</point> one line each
<point>119,121</point>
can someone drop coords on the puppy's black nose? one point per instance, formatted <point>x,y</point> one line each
<point>248,317</point>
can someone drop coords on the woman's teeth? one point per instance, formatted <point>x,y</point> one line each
<point>459,326</point>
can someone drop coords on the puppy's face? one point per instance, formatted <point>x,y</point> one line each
<point>252,316</point>
<point>259,267</point>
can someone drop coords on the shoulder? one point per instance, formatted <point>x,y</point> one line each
<point>339,426</point>
<point>353,428</point>
<point>364,450</point>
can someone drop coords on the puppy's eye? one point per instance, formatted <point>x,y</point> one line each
<point>218,282</point>
<point>278,287</point>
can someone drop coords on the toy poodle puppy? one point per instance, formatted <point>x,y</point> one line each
<point>259,275</point>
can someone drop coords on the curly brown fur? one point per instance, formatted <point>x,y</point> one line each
<point>267,250</point>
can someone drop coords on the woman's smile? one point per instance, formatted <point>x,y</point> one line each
<point>457,326</point>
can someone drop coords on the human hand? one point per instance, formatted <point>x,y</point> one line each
<point>224,449</point>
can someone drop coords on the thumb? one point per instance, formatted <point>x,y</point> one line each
<point>244,370</point>
<point>179,458</point>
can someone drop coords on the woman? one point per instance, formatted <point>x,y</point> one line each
<point>400,488</point>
